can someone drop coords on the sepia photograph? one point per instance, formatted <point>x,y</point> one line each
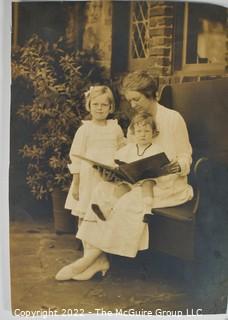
<point>118,174</point>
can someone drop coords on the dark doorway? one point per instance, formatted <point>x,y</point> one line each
<point>120,38</point>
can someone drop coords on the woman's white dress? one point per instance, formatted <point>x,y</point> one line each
<point>124,232</point>
<point>98,143</point>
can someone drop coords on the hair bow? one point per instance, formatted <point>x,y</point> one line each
<point>88,92</point>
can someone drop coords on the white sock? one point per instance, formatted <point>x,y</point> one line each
<point>148,204</point>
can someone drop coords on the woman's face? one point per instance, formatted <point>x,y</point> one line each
<point>138,101</point>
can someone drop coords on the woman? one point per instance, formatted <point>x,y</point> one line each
<point>140,90</point>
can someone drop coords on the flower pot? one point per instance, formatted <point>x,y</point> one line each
<point>64,222</point>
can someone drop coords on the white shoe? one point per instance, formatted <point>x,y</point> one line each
<point>101,264</point>
<point>90,254</point>
<point>66,273</point>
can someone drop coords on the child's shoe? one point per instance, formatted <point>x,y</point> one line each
<point>96,209</point>
<point>147,217</point>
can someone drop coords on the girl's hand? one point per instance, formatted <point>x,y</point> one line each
<point>171,168</point>
<point>106,174</point>
<point>75,188</point>
<point>75,192</point>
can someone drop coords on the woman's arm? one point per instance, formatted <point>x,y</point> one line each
<point>182,146</point>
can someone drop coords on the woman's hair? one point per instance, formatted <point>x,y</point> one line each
<point>144,118</point>
<point>142,82</point>
<point>96,91</point>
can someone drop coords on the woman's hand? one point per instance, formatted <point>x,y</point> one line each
<point>171,168</point>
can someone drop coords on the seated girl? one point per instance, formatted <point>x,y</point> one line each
<point>144,128</point>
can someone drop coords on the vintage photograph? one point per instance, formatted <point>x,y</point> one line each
<point>118,173</point>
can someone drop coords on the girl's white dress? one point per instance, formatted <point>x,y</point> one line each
<point>98,143</point>
<point>124,232</point>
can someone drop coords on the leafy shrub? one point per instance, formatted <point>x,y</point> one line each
<point>59,77</point>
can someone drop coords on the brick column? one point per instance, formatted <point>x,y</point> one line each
<point>161,37</point>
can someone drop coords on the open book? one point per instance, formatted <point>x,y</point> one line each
<point>135,171</point>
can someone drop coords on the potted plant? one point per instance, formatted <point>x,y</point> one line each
<point>59,77</point>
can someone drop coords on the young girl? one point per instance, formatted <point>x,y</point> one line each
<point>144,129</point>
<point>97,139</point>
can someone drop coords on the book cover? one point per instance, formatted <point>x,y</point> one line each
<point>149,167</point>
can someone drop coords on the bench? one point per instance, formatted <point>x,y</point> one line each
<point>191,230</point>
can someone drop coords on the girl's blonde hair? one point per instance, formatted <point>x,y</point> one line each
<point>96,91</point>
<point>144,118</point>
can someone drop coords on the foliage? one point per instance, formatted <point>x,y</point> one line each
<point>59,78</point>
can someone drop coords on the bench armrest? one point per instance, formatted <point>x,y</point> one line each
<point>199,167</point>
<point>186,212</point>
<point>211,177</point>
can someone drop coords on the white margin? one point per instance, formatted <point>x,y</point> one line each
<point>5,81</point>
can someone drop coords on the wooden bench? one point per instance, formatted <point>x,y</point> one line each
<point>191,230</point>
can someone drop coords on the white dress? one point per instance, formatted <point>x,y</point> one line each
<point>98,143</point>
<point>125,233</point>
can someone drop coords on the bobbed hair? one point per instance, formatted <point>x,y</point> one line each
<point>141,81</point>
<point>96,91</point>
<point>144,118</point>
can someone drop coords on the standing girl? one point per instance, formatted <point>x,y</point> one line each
<point>97,139</point>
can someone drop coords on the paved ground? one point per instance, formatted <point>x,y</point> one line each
<point>149,282</point>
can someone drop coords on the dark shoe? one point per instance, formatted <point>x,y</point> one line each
<point>96,209</point>
<point>147,217</point>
